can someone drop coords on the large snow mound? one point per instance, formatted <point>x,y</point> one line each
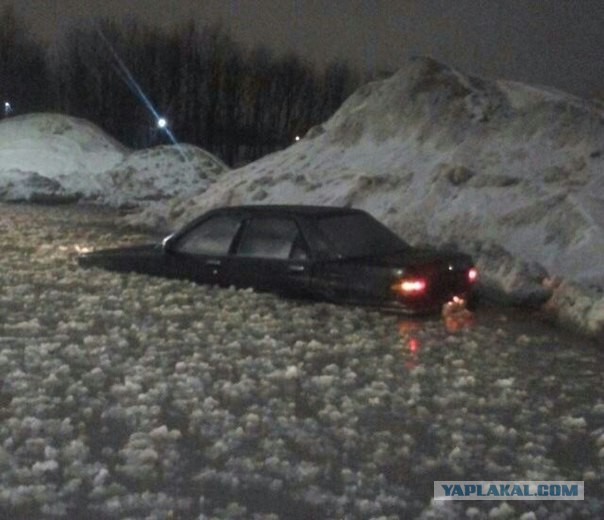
<point>52,157</point>
<point>55,145</point>
<point>442,157</point>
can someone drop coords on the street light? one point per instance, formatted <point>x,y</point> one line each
<point>7,108</point>
<point>162,123</point>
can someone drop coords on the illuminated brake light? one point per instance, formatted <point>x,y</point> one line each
<point>412,286</point>
<point>472,275</point>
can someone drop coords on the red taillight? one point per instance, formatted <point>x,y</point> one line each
<point>472,274</point>
<point>411,286</point>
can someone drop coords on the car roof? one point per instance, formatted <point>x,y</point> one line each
<point>293,209</point>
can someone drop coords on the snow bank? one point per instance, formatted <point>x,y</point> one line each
<point>159,173</point>
<point>55,158</point>
<point>577,306</point>
<point>445,158</point>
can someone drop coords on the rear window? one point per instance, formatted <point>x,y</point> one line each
<point>359,234</point>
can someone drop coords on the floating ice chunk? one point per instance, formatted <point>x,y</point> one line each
<point>48,466</point>
<point>32,325</point>
<point>172,435</point>
<point>499,431</point>
<point>505,383</point>
<point>50,452</point>
<point>54,510</point>
<point>292,372</point>
<point>465,381</point>
<point>503,511</point>
<point>456,453</point>
<point>100,478</point>
<point>252,420</point>
<point>276,485</point>
<point>323,382</point>
<point>573,422</point>
<point>148,456</point>
<point>418,371</point>
<point>113,506</point>
<point>32,425</point>
<point>473,512</point>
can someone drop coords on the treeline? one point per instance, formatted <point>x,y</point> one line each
<point>237,103</point>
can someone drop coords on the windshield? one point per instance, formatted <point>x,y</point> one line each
<point>359,234</point>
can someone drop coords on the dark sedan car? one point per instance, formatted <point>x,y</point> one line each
<point>335,254</point>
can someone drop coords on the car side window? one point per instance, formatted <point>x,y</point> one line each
<point>268,237</point>
<point>212,237</point>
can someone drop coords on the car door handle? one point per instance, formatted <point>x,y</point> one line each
<point>213,262</point>
<point>296,268</point>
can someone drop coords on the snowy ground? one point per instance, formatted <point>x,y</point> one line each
<point>129,396</point>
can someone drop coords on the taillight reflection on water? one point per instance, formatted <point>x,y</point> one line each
<point>411,343</point>
<point>456,316</point>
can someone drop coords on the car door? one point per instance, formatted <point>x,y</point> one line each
<point>200,252</point>
<point>270,255</point>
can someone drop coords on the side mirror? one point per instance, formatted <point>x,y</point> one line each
<point>167,243</point>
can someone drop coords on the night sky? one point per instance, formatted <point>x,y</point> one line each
<point>550,42</point>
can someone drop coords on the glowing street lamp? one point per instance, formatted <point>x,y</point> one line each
<point>162,123</point>
<point>7,108</point>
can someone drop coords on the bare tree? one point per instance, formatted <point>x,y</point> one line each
<point>23,73</point>
<point>238,104</point>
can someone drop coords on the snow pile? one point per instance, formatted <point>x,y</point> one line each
<point>161,172</point>
<point>150,178</point>
<point>51,157</point>
<point>577,306</point>
<point>126,396</point>
<point>445,158</point>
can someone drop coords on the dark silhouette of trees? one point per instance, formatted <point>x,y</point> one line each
<point>23,74</point>
<point>237,103</point>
